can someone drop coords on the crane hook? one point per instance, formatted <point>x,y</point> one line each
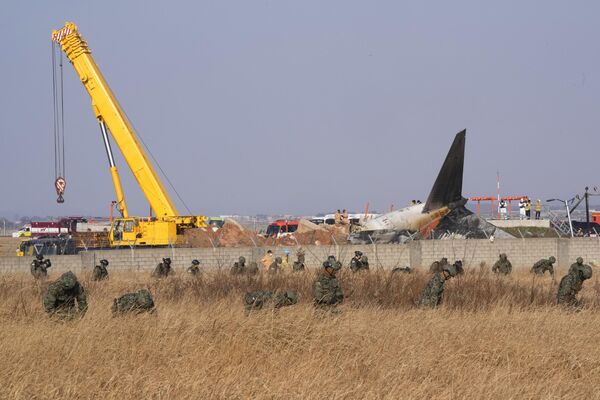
<point>60,184</point>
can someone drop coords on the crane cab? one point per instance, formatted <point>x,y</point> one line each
<point>142,232</point>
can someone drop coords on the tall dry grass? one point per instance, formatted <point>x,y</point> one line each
<point>492,338</point>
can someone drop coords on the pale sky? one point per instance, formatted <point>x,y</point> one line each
<point>302,107</point>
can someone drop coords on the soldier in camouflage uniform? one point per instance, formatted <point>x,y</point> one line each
<point>61,296</point>
<point>502,266</point>
<point>259,299</point>
<point>571,284</point>
<point>434,267</point>
<point>433,291</point>
<point>252,268</point>
<point>136,303</point>
<point>163,269</point>
<point>544,265</point>
<point>326,288</point>
<point>359,262</point>
<point>39,267</point>
<point>239,267</point>
<point>194,269</point>
<point>459,267</point>
<point>100,272</point>
<point>334,262</point>
<point>438,266</point>
<point>275,266</point>
<point>578,264</point>
<point>299,263</point>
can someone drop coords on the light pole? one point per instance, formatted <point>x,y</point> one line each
<point>568,213</point>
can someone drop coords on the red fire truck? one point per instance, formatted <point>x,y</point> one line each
<point>282,227</point>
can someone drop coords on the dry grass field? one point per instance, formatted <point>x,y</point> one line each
<point>492,338</point>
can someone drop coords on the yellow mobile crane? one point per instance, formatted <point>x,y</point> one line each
<point>167,226</point>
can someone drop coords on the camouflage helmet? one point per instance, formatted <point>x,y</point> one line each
<point>292,296</point>
<point>39,257</point>
<point>358,253</point>
<point>579,260</point>
<point>330,258</point>
<point>444,260</point>
<point>104,261</point>
<point>326,264</point>
<point>68,280</point>
<point>195,262</point>
<point>585,271</point>
<point>503,256</point>
<point>552,259</point>
<point>278,260</point>
<point>250,298</point>
<point>144,298</point>
<point>167,260</point>
<point>450,270</point>
<point>242,259</point>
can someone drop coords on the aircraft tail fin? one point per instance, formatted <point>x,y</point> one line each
<point>447,188</point>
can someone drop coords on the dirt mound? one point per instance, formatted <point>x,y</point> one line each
<point>323,235</point>
<point>305,226</point>
<point>199,237</point>
<point>231,234</point>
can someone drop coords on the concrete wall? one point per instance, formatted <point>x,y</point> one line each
<point>517,223</point>
<point>522,253</point>
<point>8,245</point>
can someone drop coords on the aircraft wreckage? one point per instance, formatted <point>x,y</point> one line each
<point>442,215</point>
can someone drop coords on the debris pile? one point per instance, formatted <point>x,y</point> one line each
<point>461,222</point>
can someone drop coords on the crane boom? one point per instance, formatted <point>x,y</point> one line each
<point>109,112</point>
<point>167,227</point>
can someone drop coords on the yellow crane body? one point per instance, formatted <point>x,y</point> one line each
<point>167,226</point>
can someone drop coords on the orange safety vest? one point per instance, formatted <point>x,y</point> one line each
<point>266,261</point>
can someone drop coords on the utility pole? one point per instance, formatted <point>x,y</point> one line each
<point>587,211</point>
